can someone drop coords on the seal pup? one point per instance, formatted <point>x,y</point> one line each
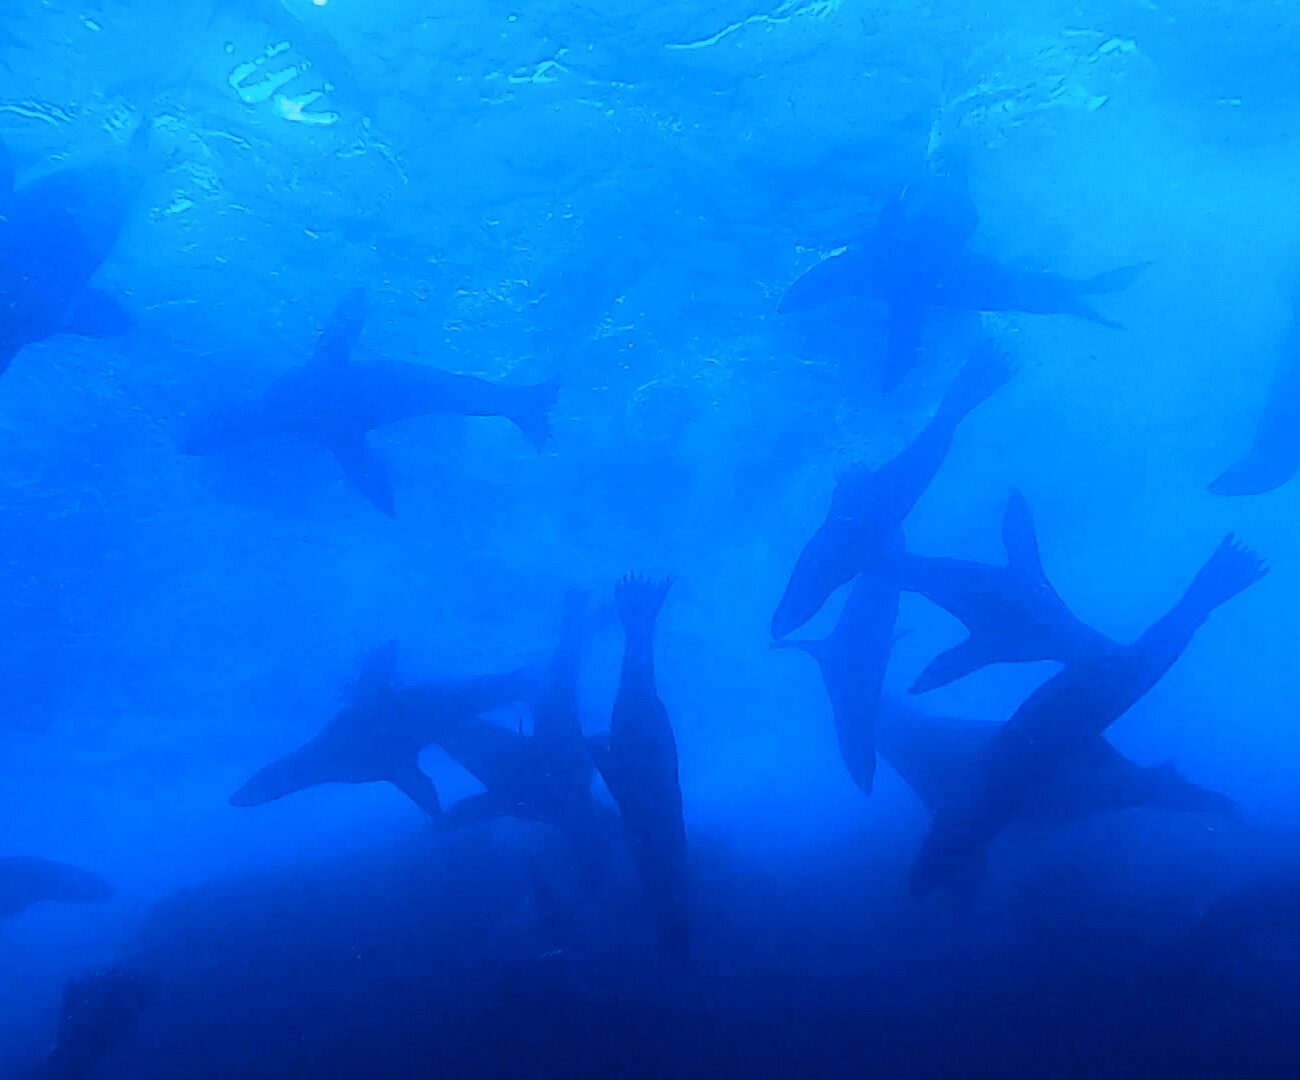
<point>1012,612</point>
<point>868,506</point>
<point>26,880</point>
<point>1076,705</point>
<point>335,402</point>
<point>638,762</point>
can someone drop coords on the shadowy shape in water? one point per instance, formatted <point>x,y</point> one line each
<point>1274,456</point>
<point>917,260</point>
<point>1012,612</point>
<point>853,659</point>
<point>56,231</point>
<point>336,402</point>
<point>28,879</point>
<point>377,736</point>
<point>639,765</point>
<point>869,506</point>
<point>1062,718</point>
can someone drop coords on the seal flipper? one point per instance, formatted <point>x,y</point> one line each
<point>415,784</point>
<point>531,412</point>
<point>98,315</point>
<point>1020,540</point>
<point>902,342</point>
<point>378,674</point>
<point>603,759</point>
<point>364,471</point>
<point>1112,281</point>
<point>958,662</point>
<point>314,763</point>
<point>339,337</point>
<point>476,810</point>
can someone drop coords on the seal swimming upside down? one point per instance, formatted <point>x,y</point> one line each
<point>639,765</point>
<point>1065,714</point>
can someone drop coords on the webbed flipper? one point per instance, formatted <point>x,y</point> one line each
<point>98,315</point>
<point>365,472</point>
<point>1020,539</point>
<point>339,337</point>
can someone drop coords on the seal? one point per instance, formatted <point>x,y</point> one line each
<point>378,733</point>
<point>853,659</point>
<point>917,259</point>
<point>57,230</point>
<point>869,506</point>
<point>26,880</point>
<point>638,762</point>
<point>1075,706</point>
<point>335,402</point>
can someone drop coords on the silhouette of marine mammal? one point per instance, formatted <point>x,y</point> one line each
<point>377,735</point>
<point>1073,707</point>
<point>916,259</point>
<point>639,766</point>
<point>853,659</point>
<point>56,231</point>
<point>869,506</point>
<point>940,759</point>
<point>335,402</point>
<point>1012,612</point>
<point>27,879</point>
<point>545,776</point>
<point>1274,455</point>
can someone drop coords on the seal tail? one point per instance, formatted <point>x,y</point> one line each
<point>531,412</point>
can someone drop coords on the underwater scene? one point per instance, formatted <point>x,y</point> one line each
<point>742,539</point>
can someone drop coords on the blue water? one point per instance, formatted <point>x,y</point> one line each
<point>615,198</point>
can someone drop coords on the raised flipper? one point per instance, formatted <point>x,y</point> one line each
<point>958,662</point>
<point>338,338</point>
<point>415,784</point>
<point>365,472</point>
<point>98,315</point>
